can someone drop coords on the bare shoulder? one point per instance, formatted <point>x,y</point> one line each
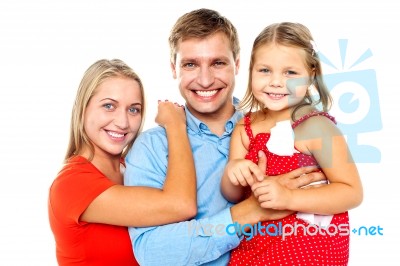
<point>318,126</point>
<point>239,129</point>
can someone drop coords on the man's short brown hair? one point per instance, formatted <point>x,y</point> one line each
<point>202,23</point>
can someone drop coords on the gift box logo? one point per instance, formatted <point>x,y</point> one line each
<point>355,104</point>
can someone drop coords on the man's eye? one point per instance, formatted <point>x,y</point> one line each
<point>189,65</point>
<point>220,63</point>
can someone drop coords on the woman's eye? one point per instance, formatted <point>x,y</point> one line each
<point>108,106</point>
<point>135,110</point>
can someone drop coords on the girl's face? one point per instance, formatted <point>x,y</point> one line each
<point>113,115</point>
<point>280,78</point>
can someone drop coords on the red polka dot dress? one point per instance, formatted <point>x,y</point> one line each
<point>311,244</point>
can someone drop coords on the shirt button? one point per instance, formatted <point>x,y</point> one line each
<point>229,125</point>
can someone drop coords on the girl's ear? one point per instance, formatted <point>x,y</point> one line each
<point>312,76</point>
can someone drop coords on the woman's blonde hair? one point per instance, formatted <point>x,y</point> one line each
<point>93,77</point>
<point>292,35</point>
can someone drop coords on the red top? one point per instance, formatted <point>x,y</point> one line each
<point>77,242</point>
<point>304,245</point>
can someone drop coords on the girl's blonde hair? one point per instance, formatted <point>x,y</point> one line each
<point>93,77</point>
<point>291,35</point>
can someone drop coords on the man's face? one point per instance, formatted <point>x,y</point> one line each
<point>205,70</point>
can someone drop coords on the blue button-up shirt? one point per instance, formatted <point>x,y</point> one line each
<point>202,239</point>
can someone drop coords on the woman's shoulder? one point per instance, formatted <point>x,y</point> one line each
<point>73,170</point>
<point>78,175</point>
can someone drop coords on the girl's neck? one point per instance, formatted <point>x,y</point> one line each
<point>277,116</point>
<point>286,114</point>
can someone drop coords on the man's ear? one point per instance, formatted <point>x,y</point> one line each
<point>173,68</point>
<point>237,65</point>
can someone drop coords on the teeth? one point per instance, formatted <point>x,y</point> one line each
<point>115,135</point>
<point>276,95</point>
<point>206,93</point>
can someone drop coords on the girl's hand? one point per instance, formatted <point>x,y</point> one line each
<point>271,194</point>
<point>170,114</point>
<point>243,172</point>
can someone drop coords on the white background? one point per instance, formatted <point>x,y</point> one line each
<point>45,46</point>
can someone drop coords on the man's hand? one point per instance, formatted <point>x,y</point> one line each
<point>295,179</point>
<point>274,192</point>
<point>249,211</point>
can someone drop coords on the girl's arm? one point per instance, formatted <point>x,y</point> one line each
<point>145,206</point>
<point>321,138</point>
<point>239,172</point>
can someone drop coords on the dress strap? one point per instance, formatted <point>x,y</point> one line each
<point>247,126</point>
<point>313,113</point>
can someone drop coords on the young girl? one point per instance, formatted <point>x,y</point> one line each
<point>89,208</point>
<point>285,124</point>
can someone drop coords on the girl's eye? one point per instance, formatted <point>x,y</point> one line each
<point>264,70</point>
<point>290,72</point>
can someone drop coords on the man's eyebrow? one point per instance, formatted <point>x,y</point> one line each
<point>186,60</point>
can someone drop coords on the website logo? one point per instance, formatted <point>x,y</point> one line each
<point>356,103</point>
<point>249,231</point>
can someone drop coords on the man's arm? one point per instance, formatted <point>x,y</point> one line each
<point>187,243</point>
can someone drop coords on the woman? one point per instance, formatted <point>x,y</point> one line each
<point>89,208</point>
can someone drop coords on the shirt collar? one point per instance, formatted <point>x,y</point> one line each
<point>198,126</point>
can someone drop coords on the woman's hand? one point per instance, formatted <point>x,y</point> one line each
<point>170,114</point>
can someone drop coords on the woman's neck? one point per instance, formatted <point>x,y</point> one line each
<point>109,165</point>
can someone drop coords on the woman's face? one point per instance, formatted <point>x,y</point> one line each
<point>113,115</point>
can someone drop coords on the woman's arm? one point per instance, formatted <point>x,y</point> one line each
<point>145,206</point>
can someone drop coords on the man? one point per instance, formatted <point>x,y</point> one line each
<point>205,60</point>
